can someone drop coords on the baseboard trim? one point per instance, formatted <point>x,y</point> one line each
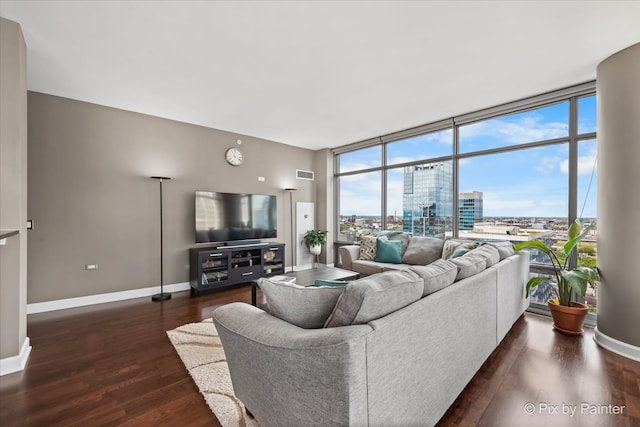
<point>619,347</point>
<point>61,304</point>
<point>12,364</point>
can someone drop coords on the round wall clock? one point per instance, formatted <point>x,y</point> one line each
<point>234,157</point>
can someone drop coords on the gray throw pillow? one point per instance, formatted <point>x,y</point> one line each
<point>468,265</point>
<point>437,275</point>
<point>505,249</point>
<point>374,297</point>
<point>306,307</point>
<point>489,253</point>
<point>423,250</point>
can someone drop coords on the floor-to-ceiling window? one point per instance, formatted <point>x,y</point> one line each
<point>406,184</point>
<point>515,172</point>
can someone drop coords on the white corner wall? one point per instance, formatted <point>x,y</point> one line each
<point>14,344</point>
<point>618,89</point>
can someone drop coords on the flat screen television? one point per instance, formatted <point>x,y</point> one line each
<point>226,217</point>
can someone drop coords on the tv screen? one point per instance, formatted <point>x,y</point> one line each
<point>223,217</point>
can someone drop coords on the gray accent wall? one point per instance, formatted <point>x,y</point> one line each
<point>13,189</point>
<point>618,86</point>
<point>92,201</point>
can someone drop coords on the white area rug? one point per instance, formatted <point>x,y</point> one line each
<point>199,347</point>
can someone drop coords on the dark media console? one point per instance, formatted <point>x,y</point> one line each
<point>218,267</point>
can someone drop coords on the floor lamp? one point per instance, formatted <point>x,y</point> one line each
<point>162,296</point>
<point>291,190</point>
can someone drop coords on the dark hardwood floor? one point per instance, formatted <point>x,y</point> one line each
<point>112,364</point>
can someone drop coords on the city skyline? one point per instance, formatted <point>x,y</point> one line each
<point>531,182</point>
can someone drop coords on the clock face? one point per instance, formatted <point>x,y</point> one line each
<point>234,157</point>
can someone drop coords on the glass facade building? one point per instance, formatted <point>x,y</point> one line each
<point>427,199</point>
<point>469,209</point>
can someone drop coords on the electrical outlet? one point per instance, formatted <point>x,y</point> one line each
<point>91,266</point>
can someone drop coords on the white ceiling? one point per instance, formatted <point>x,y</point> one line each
<point>315,74</point>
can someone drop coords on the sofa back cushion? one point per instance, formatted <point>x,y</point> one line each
<point>423,250</point>
<point>468,265</point>
<point>375,296</point>
<point>437,275</point>
<point>489,253</point>
<point>403,237</point>
<point>449,247</point>
<point>306,307</point>
<point>505,249</point>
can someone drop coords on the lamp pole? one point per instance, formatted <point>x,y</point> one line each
<point>162,296</point>
<point>291,190</point>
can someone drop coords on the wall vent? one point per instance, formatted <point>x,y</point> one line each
<point>308,175</point>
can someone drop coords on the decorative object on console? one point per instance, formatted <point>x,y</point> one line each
<point>570,317</point>
<point>162,296</point>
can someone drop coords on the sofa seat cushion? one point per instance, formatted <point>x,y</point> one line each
<point>367,268</point>
<point>306,307</point>
<point>437,275</point>
<point>489,253</point>
<point>469,265</point>
<point>375,296</point>
<point>423,250</point>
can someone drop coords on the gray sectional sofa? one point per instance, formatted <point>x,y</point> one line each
<point>415,250</point>
<point>397,350</point>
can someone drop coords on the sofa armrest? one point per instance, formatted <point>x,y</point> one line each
<point>286,375</point>
<point>348,254</point>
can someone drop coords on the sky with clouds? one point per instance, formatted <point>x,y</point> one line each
<point>530,182</point>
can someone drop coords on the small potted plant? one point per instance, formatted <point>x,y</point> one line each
<point>568,316</point>
<point>314,239</point>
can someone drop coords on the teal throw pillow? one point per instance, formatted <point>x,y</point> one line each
<point>389,251</point>
<point>320,282</point>
<point>459,252</point>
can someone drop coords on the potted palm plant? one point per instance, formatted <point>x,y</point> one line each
<point>314,239</point>
<point>568,316</point>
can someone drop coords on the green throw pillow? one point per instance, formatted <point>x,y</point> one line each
<point>389,251</point>
<point>320,282</point>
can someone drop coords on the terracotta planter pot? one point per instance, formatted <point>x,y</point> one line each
<point>568,319</point>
